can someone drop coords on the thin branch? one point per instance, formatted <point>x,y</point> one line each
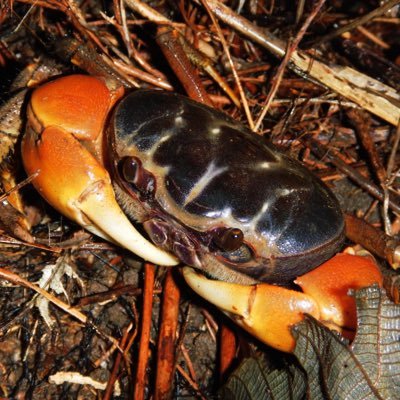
<point>357,22</point>
<point>379,99</point>
<point>292,48</point>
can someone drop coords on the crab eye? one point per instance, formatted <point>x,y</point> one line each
<point>132,171</point>
<point>129,169</point>
<point>228,239</point>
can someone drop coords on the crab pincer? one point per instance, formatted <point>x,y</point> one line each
<point>64,144</point>
<point>269,312</point>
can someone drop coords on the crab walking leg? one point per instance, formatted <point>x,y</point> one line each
<point>75,183</point>
<point>269,312</point>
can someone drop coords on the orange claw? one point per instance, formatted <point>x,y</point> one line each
<point>266,311</point>
<point>63,143</point>
<point>59,113</point>
<point>269,312</point>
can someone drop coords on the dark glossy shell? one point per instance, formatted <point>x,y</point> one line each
<point>211,172</point>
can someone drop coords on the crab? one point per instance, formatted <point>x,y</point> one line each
<point>244,220</point>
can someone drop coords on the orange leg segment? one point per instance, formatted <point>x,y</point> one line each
<point>331,283</point>
<point>77,103</point>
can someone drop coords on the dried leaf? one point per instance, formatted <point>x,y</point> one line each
<point>52,276</point>
<point>368,369</point>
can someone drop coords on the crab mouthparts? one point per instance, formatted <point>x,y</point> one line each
<point>107,220</point>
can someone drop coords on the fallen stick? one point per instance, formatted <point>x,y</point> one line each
<point>370,94</point>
